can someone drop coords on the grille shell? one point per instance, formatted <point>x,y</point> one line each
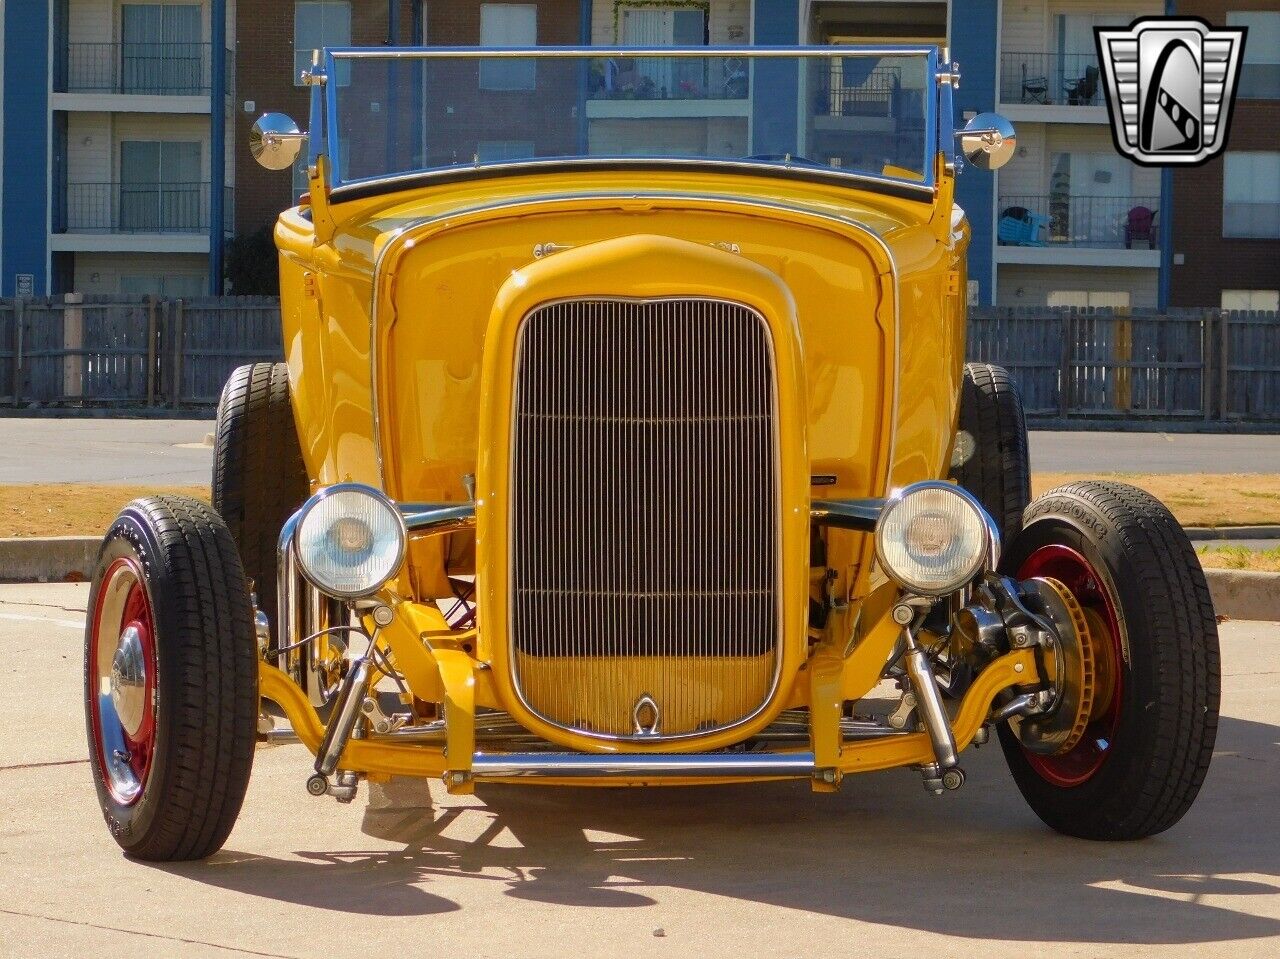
<point>645,522</point>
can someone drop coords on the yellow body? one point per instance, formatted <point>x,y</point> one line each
<point>400,316</point>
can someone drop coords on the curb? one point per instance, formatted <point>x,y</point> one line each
<point>1237,594</point>
<point>1244,594</point>
<point>50,559</point>
<point>1201,534</point>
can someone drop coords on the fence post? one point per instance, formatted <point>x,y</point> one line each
<point>1066,374</point>
<point>19,321</point>
<point>151,351</point>
<point>176,386</point>
<point>73,346</point>
<point>1206,363</point>
<point>1224,365</point>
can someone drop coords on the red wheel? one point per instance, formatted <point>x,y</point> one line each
<point>122,657</point>
<point>170,680</point>
<point>1124,747</point>
<point>1080,763</point>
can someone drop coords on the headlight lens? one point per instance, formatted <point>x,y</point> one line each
<point>350,540</point>
<point>933,538</point>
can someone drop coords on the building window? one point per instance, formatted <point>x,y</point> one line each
<point>1251,195</point>
<point>1260,72</point>
<point>504,151</point>
<point>1089,299</point>
<point>508,25</point>
<point>666,27</point>
<point>161,188</point>
<point>1267,300</point>
<point>318,24</point>
<point>160,49</point>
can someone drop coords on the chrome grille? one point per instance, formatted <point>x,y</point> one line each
<point>645,527</point>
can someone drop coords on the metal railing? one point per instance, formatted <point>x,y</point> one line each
<point>157,69</point>
<point>1125,222</point>
<point>139,208</point>
<point>873,95</point>
<point>1058,79</point>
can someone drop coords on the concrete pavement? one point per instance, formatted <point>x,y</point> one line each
<point>171,452</point>
<point>1088,452</point>
<point>880,869</point>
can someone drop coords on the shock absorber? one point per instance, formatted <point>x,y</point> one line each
<point>342,722</point>
<point>944,772</point>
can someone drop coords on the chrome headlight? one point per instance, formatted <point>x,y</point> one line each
<point>350,540</point>
<point>932,538</point>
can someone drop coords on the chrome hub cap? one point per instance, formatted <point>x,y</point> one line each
<point>129,680</point>
<point>122,681</point>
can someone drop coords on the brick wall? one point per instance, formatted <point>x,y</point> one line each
<point>1212,262</point>
<point>264,67</point>
<point>264,75</point>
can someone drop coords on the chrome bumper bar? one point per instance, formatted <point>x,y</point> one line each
<point>670,766</point>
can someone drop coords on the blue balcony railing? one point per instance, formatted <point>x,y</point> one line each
<point>1056,79</point>
<point>158,69</point>
<point>1126,222</point>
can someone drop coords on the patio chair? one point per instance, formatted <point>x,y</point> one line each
<point>1139,226</point>
<point>1082,91</point>
<point>1020,227</point>
<point>1034,89</point>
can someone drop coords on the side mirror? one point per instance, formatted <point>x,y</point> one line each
<point>988,141</point>
<point>275,141</point>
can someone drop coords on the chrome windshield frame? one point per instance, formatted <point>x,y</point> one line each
<point>923,188</point>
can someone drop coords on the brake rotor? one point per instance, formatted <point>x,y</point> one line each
<point>1080,690</point>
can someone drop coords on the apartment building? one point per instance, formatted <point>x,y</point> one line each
<point>115,178</point>
<point>109,180</point>
<point>1226,235</point>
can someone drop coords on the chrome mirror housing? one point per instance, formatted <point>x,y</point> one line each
<point>988,141</point>
<point>275,141</point>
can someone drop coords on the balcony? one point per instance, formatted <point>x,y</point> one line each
<point>1040,85</point>
<point>95,70</point>
<point>633,87</point>
<point>137,217</point>
<point>1079,230</point>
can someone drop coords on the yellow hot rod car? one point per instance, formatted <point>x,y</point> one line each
<point>624,437</point>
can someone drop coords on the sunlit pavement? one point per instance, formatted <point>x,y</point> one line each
<point>880,869</point>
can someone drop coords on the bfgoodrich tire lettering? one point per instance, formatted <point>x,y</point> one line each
<point>1169,677</point>
<point>206,689</point>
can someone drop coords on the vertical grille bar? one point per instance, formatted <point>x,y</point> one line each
<point>645,519</point>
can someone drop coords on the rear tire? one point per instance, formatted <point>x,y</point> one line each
<point>259,480</point>
<point>1128,563</point>
<point>172,730</point>
<point>991,458</point>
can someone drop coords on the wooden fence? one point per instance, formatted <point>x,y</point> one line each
<point>1129,365</point>
<point>130,351</point>
<point>1205,366</point>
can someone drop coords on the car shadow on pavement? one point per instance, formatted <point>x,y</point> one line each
<point>975,864</point>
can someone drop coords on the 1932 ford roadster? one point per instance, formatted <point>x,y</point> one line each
<point>625,438</point>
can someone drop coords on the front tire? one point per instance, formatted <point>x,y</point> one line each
<point>991,458</point>
<point>259,479</point>
<point>1144,756</point>
<point>171,680</point>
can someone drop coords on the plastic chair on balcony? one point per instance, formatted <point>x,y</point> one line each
<point>1020,227</point>
<point>1034,89</point>
<point>1082,91</point>
<point>1139,227</point>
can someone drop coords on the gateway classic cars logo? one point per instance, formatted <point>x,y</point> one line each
<point>1171,84</point>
